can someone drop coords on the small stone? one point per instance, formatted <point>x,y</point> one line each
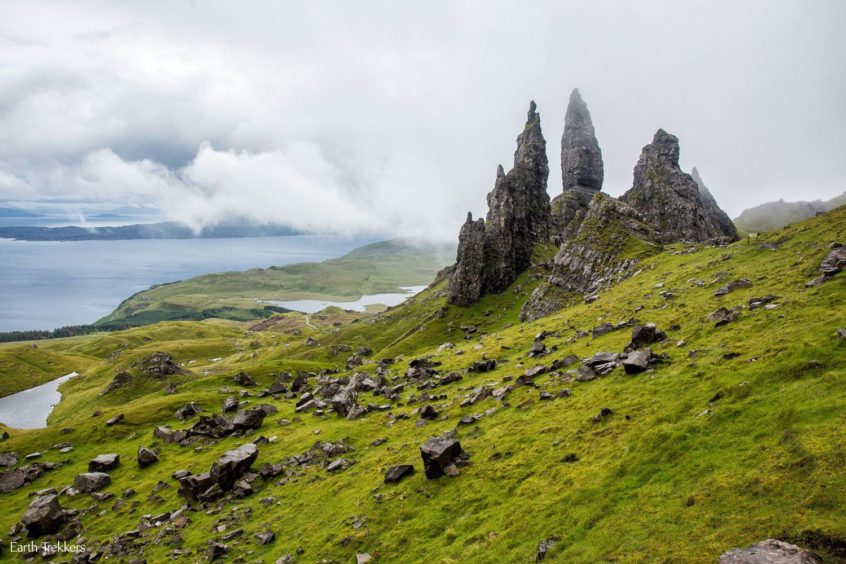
<point>397,473</point>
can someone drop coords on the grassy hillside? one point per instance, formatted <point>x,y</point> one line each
<point>377,268</point>
<point>774,215</point>
<point>737,436</point>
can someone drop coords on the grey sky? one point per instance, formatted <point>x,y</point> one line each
<point>392,116</point>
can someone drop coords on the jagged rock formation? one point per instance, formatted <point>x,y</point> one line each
<point>581,170</point>
<point>492,253</point>
<point>712,208</point>
<point>669,198</point>
<point>581,157</point>
<point>607,247</point>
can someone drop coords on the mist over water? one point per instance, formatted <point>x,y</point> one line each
<point>46,285</point>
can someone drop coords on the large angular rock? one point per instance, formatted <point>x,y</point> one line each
<point>438,455</point>
<point>146,457</point>
<point>14,479</point>
<point>397,473</point>
<point>44,516</point>
<point>249,418</point>
<point>194,486</point>
<point>91,481</point>
<point>215,426</point>
<point>669,198</point>
<point>103,462</point>
<point>8,458</point>
<point>770,551</point>
<point>581,157</point>
<point>491,254</point>
<point>229,468</point>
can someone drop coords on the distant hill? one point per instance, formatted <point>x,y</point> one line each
<point>377,268</point>
<point>774,215</point>
<point>15,212</point>
<point>163,230</point>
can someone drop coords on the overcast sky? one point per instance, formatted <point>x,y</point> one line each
<point>391,116</point>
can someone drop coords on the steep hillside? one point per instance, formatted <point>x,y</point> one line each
<point>774,215</point>
<point>377,268</point>
<point>735,433</point>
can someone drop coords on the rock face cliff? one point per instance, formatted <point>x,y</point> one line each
<point>582,170</point>
<point>581,157</point>
<point>606,249</point>
<point>712,208</point>
<point>669,198</point>
<point>601,239</point>
<point>493,252</point>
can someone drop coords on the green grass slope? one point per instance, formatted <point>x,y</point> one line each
<point>377,268</point>
<point>738,436</point>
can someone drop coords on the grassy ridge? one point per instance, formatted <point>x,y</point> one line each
<point>740,435</point>
<point>377,268</point>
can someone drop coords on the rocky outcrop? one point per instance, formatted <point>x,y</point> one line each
<point>712,208</point>
<point>568,212</point>
<point>491,254</point>
<point>607,247</point>
<point>770,551</point>
<point>581,157</point>
<point>669,198</point>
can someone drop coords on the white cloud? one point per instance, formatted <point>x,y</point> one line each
<point>380,116</point>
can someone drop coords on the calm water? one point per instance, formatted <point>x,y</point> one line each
<point>313,306</point>
<point>45,285</point>
<point>29,409</point>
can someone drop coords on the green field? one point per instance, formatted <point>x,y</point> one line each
<point>376,268</point>
<point>738,436</point>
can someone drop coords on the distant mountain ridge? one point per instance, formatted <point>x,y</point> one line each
<point>162,230</point>
<point>774,215</point>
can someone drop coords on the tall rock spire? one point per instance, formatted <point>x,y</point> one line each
<point>669,198</point>
<point>581,157</point>
<point>492,253</point>
<point>712,208</point>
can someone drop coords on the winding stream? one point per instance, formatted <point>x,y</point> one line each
<point>30,408</point>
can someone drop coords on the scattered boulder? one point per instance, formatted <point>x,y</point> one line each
<point>397,473</point>
<point>216,426</point>
<point>428,412</point>
<point>249,419</point>
<point>265,537</point>
<point>732,286</point>
<point>121,380</point>
<point>230,404</point>
<point>91,481</point>
<point>169,435</point>
<point>8,459</point>
<point>115,420</point>
<point>723,316</point>
<point>602,329</point>
<point>637,361</point>
<point>44,516</point>
<point>544,546</point>
<point>755,303</point>
<point>244,379</point>
<point>146,457</point>
<point>834,261</point>
<point>770,551</point>
<point>187,411</point>
<point>644,335</point>
<point>104,462</point>
<point>14,479</point>
<point>603,413</point>
<point>484,365</point>
<point>438,454</point>
<point>230,467</point>
<point>159,364</point>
